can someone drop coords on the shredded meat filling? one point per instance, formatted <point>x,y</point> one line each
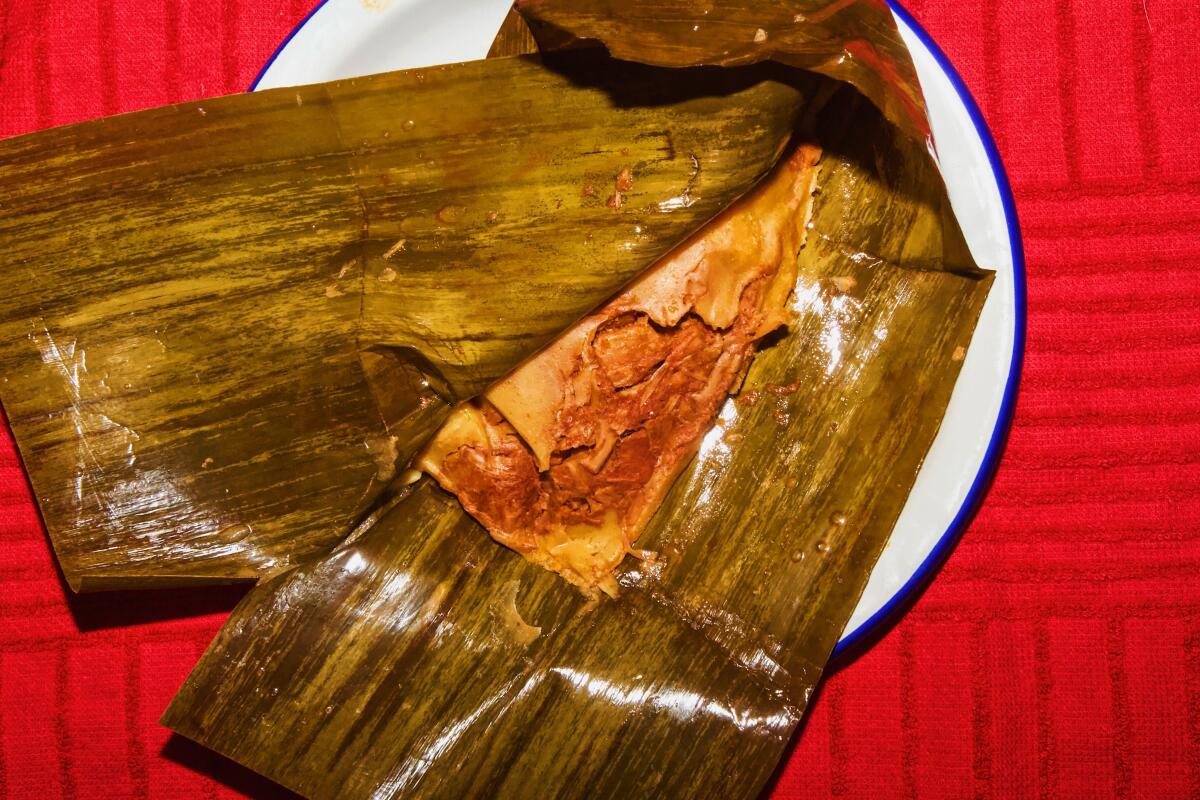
<point>566,460</point>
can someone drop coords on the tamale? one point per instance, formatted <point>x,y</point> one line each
<point>231,321</point>
<point>566,459</point>
<point>421,660</point>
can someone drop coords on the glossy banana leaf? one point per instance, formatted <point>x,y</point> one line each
<point>420,659</point>
<point>855,41</point>
<point>228,323</point>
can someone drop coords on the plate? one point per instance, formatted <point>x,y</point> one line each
<point>349,38</point>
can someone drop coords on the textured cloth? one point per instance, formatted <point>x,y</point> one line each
<point>1057,655</point>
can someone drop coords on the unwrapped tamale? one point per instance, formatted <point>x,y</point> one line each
<point>464,217</point>
<point>420,660</point>
<point>566,459</point>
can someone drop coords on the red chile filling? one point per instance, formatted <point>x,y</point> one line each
<point>645,396</point>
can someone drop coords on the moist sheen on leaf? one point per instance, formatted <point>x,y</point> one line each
<point>232,321</point>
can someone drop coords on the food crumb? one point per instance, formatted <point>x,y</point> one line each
<point>783,388</point>
<point>624,179</point>
<point>749,398</point>
<point>622,184</point>
<point>844,283</point>
<point>733,437</point>
<point>959,354</point>
<point>492,217</point>
<point>207,463</point>
<point>760,36</point>
<point>396,248</point>
<point>384,454</point>
<point>589,191</point>
<point>333,291</point>
<point>387,276</point>
<point>345,268</point>
<point>799,18</point>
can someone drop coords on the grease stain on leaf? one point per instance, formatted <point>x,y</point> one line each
<point>509,622</point>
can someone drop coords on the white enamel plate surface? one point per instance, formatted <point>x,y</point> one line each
<point>349,38</point>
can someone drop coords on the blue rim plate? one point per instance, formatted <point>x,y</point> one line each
<point>347,38</point>
<point>861,633</point>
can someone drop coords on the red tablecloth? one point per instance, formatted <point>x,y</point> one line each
<point>1058,653</point>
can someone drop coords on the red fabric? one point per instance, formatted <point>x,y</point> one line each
<point>1058,653</point>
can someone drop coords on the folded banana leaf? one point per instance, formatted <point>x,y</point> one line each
<point>515,38</point>
<point>420,659</point>
<point>855,41</point>
<point>230,323</point>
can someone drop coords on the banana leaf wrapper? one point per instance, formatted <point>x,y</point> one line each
<point>515,37</point>
<point>230,322</point>
<point>854,41</point>
<point>420,659</point>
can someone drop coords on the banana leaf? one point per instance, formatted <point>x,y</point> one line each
<point>420,659</point>
<point>231,322</point>
<point>855,41</point>
<point>515,38</point>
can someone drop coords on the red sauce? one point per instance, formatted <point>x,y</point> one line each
<point>655,391</point>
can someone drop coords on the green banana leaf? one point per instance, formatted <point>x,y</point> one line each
<point>229,323</point>
<point>420,659</point>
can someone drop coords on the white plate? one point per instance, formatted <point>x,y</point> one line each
<point>348,38</point>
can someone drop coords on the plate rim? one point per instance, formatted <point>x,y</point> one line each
<point>853,643</point>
